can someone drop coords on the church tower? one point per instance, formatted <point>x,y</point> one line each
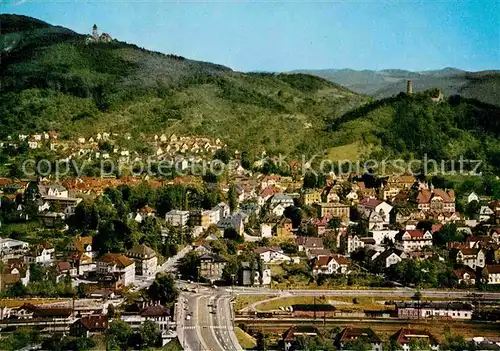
<point>95,34</point>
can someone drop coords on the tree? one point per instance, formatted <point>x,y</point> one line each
<point>334,223</point>
<point>150,333</point>
<point>472,208</point>
<point>114,236</point>
<point>392,345</point>
<point>17,290</point>
<point>419,344</point>
<point>454,342</point>
<point>222,155</point>
<point>357,345</point>
<point>86,217</point>
<point>117,334</point>
<point>417,296</point>
<point>232,198</point>
<point>289,247</point>
<point>330,241</point>
<point>37,273</point>
<point>230,271</point>
<point>188,265</point>
<point>245,160</point>
<point>170,197</point>
<point>448,233</point>
<point>79,344</point>
<point>295,214</point>
<point>111,311</point>
<point>163,289</point>
<point>261,341</point>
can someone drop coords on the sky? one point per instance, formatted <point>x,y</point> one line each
<point>289,35</point>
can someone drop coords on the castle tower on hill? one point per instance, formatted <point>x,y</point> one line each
<point>409,87</point>
<point>95,33</point>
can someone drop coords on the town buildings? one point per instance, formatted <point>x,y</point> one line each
<point>145,259</point>
<point>211,267</point>
<point>116,263</point>
<point>332,209</point>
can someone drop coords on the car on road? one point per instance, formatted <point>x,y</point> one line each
<point>188,317</point>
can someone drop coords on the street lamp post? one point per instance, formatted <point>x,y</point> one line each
<point>232,284</point>
<point>198,279</point>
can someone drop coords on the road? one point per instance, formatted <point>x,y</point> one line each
<point>169,266</point>
<point>210,327</point>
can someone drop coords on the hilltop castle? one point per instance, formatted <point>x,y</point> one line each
<point>96,38</point>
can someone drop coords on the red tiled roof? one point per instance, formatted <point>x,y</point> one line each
<point>322,261</point>
<point>340,259</point>
<point>436,227</point>
<point>63,266</point>
<point>483,239</point>
<point>155,311</point>
<point>296,330</point>
<point>120,260</point>
<point>94,322</point>
<point>269,191</point>
<point>455,245</point>
<point>79,256</point>
<point>370,202</point>
<point>461,271</point>
<point>81,242</point>
<point>308,241</point>
<point>493,268</point>
<point>320,252</point>
<point>405,335</point>
<point>425,195</point>
<point>364,334</point>
<point>415,233</point>
<point>469,252</point>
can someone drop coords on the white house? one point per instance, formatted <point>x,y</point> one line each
<point>43,254</point>
<point>380,235</point>
<point>177,217</point>
<point>485,213</point>
<point>81,245</point>
<point>390,257</point>
<point>10,248</point>
<point>282,199</point>
<point>493,271</point>
<point>330,264</point>
<point>471,257</point>
<point>472,197</point>
<point>352,196</point>
<point>278,210</point>
<point>272,255</point>
<point>247,275</point>
<point>33,144</point>
<point>266,231</point>
<point>380,207</point>
<point>413,240</point>
<point>353,243</point>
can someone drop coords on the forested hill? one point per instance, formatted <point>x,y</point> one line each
<point>52,79</point>
<point>482,85</point>
<point>416,125</point>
